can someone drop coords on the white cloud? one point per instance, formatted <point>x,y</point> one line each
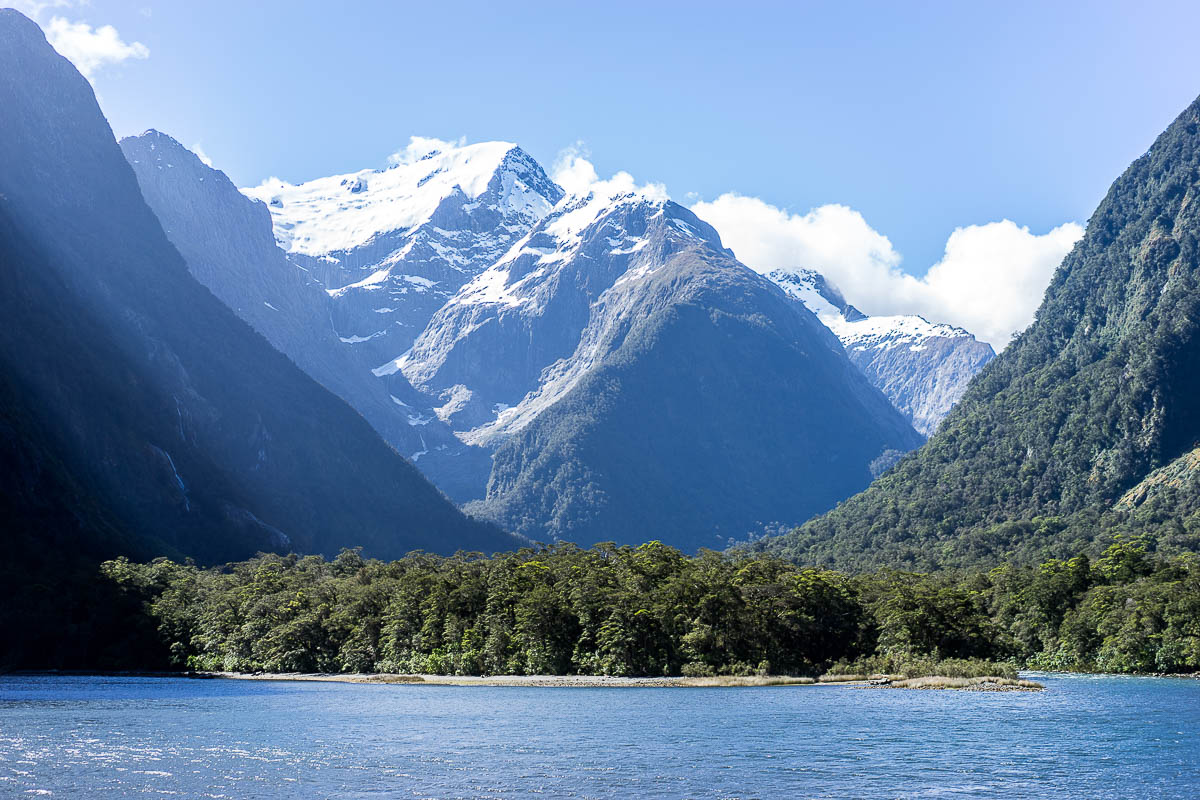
<point>990,279</point>
<point>573,171</point>
<point>200,154</point>
<point>577,176</point>
<point>34,8</point>
<point>993,276</point>
<point>90,49</point>
<point>420,146</point>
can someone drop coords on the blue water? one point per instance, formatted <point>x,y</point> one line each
<point>1101,737</point>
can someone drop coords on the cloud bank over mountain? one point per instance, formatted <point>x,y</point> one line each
<point>578,177</point>
<point>990,279</point>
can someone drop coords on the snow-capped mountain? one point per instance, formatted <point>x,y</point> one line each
<point>529,310</point>
<point>547,328</point>
<point>630,236</point>
<point>245,269</point>
<point>922,367</point>
<point>635,380</point>
<point>391,246</point>
<point>695,401</point>
<point>469,275</point>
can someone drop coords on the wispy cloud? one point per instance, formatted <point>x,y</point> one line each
<point>990,279</point>
<point>200,154</point>
<point>572,169</point>
<point>420,146</point>
<point>575,173</point>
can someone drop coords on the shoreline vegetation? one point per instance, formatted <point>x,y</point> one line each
<point>630,612</point>
<point>651,611</point>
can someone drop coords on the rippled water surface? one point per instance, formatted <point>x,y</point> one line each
<point>1103,737</point>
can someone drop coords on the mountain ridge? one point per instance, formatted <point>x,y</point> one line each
<point>526,330</point>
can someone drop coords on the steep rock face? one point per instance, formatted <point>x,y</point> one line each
<point>676,395</point>
<point>529,311</point>
<point>160,421</point>
<point>227,240</point>
<point>1100,391</point>
<point>1179,475</point>
<point>922,367</point>
<point>392,246</point>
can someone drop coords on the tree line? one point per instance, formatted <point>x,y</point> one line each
<point>651,610</point>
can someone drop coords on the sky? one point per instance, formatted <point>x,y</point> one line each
<point>934,158</point>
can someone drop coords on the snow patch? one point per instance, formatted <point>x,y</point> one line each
<point>492,287</point>
<point>891,331</point>
<point>360,339</point>
<point>373,281</point>
<point>391,367</point>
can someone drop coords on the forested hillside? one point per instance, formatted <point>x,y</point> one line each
<point>1100,391</point>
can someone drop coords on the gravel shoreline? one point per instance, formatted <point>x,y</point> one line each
<point>539,681</point>
<point>613,682</point>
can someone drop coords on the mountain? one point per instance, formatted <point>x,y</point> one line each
<point>1086,424</point>
<point>652,386</point>
<point>245,269</point>
<point>141,416</point>
<point>529,311</point>
<point>391,246</point>
<point>468,276</point>
<point>922,367</point>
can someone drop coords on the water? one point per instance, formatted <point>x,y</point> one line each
<point>1100,737</point>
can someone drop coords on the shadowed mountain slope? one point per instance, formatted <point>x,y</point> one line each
<point>168,425</point>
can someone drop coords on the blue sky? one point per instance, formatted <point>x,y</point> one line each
<point>922,117</point>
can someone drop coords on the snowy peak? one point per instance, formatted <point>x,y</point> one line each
<point>341,212</point>
<point>608,222</point>
<point>529,309</point>
<point>850,325</point>
<point>522,187</point>
<point>815,291</point>
<point>891,331</point>
<point>921,366</point>
<point>391,246</point>
<point>611,231</point>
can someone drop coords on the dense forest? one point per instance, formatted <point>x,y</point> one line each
<point>648,610</point>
